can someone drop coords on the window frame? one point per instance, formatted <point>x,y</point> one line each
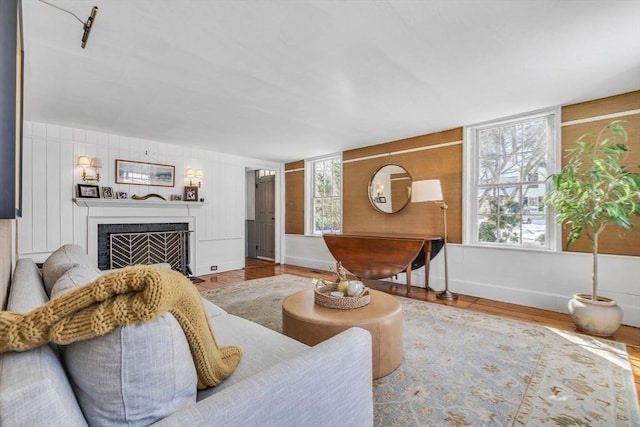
<point>309,177</point>
<point>471,185</point>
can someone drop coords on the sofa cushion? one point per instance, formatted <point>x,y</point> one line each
<point>75,277</point>
<point>212,309</point>
<point>261,347</point>
<point>27,291</point>
<point>34,389</point>
<point>62,260</point>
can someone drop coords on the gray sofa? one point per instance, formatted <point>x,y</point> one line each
<point>142,374</point>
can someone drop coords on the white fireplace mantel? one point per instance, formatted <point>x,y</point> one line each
<point>130,211</point>
<point>132,203</point>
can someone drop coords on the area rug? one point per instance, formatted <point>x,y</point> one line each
<point>462,368</point>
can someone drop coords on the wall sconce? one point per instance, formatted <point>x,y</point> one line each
<point>379,190</point>
<point>95,163</point>
<point>197,174</point>
<point>430,191</point>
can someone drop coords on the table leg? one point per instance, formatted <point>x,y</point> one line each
<point>408,273</point>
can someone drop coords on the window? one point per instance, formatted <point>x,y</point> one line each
<point>264,172</point>
<point>508,163</point>
<point>325,203</point>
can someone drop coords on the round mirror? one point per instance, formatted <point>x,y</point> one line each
<point>390,189</point>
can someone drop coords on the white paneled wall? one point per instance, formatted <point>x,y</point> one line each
<point>50,218</point>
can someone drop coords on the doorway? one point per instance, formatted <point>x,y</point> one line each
<point>260,228</point>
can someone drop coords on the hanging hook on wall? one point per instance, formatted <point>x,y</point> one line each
<point>86,25</point>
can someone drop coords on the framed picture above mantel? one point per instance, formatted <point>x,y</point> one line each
<point>142,173</point>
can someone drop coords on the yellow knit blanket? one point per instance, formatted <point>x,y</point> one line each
<point>123,297</point>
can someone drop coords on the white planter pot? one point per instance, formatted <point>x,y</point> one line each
<point>600,317</point>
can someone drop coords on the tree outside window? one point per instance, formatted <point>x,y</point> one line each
<point>509,167</point>
<point>327,196</point>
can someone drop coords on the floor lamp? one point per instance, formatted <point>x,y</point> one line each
<point>430,191</point>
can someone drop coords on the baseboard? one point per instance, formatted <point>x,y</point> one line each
<point>310,263</point>
<point>530,298</point>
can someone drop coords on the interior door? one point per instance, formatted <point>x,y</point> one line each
<point>265,217</point>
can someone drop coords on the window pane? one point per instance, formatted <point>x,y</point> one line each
<point>510,153</point>
<point>326,196</point>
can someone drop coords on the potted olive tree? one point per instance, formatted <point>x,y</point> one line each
<point>590,192</point>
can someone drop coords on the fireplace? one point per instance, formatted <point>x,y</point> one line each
<point>122,244</point>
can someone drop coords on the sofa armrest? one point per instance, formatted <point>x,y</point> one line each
<point>329,384</point>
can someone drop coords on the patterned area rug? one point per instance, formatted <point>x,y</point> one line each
<point>468,369</point>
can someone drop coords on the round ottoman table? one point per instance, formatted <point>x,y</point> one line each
<point>309,323</point>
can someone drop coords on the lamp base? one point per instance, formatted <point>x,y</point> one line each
<point>447,296</point>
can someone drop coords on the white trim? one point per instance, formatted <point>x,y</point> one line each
<point>408,150</point>
<point>428,147</point>
<point>133,203</point>
<point>374,156</point>
<point>603,117</point>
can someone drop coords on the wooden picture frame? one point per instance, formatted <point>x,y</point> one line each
<point>86,191</point>
<point>143,173</point>
<point>107,193</point>
<point>191,194</point>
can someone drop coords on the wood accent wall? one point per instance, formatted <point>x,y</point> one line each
<point>437,161</point>
<point>611,241</point>
<point>294,197</point>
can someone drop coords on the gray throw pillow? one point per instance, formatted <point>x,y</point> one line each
<point>132,376</point>
<point>62,260</point>
<point>76,276</point>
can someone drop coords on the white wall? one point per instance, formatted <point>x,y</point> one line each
<point>50,218</point>
<point>539,279</point>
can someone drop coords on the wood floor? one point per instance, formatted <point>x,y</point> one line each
<point>255,269</point>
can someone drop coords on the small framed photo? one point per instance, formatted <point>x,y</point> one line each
<point>88,191</point>
<point>380,199</point>
<point>190,194</point>
<point>107,193</point>
<point>121,195</point>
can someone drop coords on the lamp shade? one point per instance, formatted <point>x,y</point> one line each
<point>428,190</point>
<point>96,162</point>
<point>199,173</point>
<point>189,173</point>
<point>83,161</point>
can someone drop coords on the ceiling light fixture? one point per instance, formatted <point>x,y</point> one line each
<point>85,25</point>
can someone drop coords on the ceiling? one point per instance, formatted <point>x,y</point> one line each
<point>286,80</point>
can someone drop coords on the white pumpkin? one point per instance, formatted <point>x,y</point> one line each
<point>355,288</point>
